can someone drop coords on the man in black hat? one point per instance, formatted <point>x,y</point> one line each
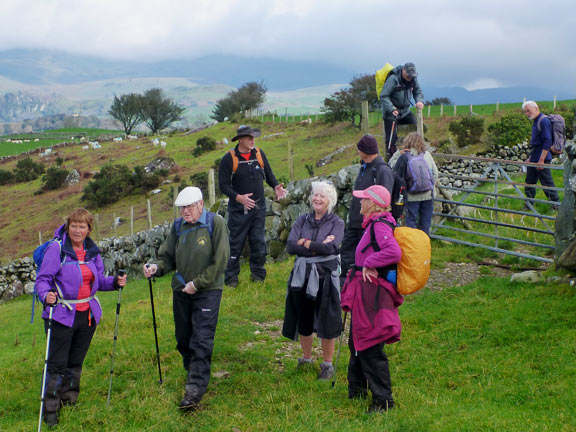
<point>400,88</point>
<point>373,170</point>
<point>241,177</point>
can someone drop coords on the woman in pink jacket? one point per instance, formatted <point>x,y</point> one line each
<point>371,297</point>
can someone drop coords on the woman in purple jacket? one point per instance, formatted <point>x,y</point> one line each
<point>313,297</point>
<point>71,273</point>
<point>373,301</point>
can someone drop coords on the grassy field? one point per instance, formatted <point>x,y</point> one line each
<point>491,356</point>
<point>49,138</point>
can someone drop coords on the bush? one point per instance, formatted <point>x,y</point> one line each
<point>510,130</point>
<point>468,131</point>
<point>27,170</point>
<point>203,145</point>
<point>6,177</point>
<point>54,178</point>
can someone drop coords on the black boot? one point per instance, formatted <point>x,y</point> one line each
<point>380,406</point>
<point>51,418</point>
<point>70,387</point>
<point>191,400</point>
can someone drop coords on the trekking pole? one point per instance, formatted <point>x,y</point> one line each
<point>48,333</point>
<point>120,273</point>
<point>339,348</point>
<point>155,332</point>
<point>391,134</point>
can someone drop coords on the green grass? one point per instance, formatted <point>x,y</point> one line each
<point>491,356</point>
<point>49,138</point>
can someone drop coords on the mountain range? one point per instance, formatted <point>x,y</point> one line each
<point>35,83</point>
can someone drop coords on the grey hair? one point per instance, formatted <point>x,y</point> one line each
<point>530,103</point>
<point>329,191</point>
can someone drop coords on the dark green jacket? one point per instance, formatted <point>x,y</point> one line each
<point>196,255</point>
<point>397,92</point>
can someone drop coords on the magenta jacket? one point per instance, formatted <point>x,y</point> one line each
<point>68,277</point>
<point>374,306</point>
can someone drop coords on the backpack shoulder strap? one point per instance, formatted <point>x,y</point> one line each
<point>177,225</point>
<point>259,157</point>
<point>234,161</point>
<point>210,222</point>
<point>373,243</point>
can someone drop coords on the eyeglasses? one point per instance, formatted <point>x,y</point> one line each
<point>191,206</point>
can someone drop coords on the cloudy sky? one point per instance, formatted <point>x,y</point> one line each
<point>476,44</point>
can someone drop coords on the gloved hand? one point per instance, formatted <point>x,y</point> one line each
<point>150,270</point>
<point>190,288</point>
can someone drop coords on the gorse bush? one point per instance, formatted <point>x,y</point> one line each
<point>6,177</point>
<point>27,170</point>
<point>468,131</point>
<point>512,129</point>
<point>116,181</point>
<point>203,145</point>
<point>54,178</point>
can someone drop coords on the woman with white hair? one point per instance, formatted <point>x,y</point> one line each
<point>313,298</point>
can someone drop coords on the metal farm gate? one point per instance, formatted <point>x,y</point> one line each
<point>486,208</point>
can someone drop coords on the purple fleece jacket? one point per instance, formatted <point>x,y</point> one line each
<point>69,277</point>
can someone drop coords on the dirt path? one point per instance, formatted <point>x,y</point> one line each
<point>457,274</point>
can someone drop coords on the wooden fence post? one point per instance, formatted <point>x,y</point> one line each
<point>211,187</point>
<point>290,161</point>
<point>174,195</point>
<point>131,220</point>
<point>429,111</point>
<point>114,224</point>
<point>365,119</point>
<point>39,237</point>
<point>497,106</point>
<point>97,219</point>
<point>441,110</point>
<point>455,108</point>
<point>149,212</point>
<point>419,122</point>
<point>471,110</point>
<point>554,107</point>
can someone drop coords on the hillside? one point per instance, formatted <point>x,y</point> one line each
<point>24,214</point>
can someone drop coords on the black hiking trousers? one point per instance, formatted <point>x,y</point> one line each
<point>68,349</point>
<point>195,320</point>
<point>246,225</point>
<point>407,119</point>
<point>369,369</point>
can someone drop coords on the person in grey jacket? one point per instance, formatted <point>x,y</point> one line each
<point>419,206</point>
<point>313,296</point>
<point>400,88</point>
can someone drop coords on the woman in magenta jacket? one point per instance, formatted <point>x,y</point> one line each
<point>71,272</point>
<point>373,301</point>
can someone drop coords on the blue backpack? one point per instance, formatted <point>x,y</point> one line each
<point>418,174</point>
<point>38,257</point>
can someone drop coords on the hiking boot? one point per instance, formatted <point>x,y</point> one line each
<point>232,283</point>
<point>304,363</point>
<point>189,403</point>
<point>380,407</point>
<point>256,279</point>
<point>51,418</point>
<point>326,371</point>
<point>357,394</point>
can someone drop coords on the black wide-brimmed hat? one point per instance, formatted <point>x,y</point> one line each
<point>246,131</point>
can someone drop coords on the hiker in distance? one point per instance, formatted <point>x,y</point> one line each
<point>71,273</point>
<point>371,297</point>
<point>420,173</point>
<point>373,170</point>
<point>197,249</point>
<point>242,173</point>
<point>400,88</point>
<point>541,142</point>
<point>313,296</point>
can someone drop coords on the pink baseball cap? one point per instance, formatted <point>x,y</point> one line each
<point>376,193</point>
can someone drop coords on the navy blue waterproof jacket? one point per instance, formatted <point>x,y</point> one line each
<point>541,138</point>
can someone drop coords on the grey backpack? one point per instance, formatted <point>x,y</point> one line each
<point>558,132</point>
<point>418,174</point>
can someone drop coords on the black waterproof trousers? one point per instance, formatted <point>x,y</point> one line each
<point>242,225</point>
<point>533,174</point>
<point>391,145</point>
<point>68,349</point>
<point>369,368</point>
<point>195,320</point>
